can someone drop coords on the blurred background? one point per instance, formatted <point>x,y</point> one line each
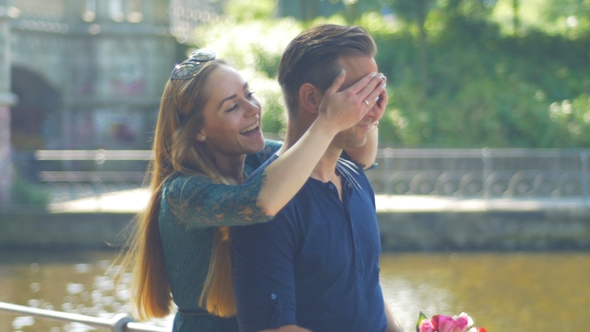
<point>489,116</point>
<point>87,74</point>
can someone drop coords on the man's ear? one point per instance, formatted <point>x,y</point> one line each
<point>310,98</point>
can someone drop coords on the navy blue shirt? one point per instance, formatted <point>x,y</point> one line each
<point>316,264</point>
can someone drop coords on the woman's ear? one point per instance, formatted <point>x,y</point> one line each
<point>310,97</point>
<point>200,136</point>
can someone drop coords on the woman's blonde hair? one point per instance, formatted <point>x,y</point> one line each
<point>175,150</point>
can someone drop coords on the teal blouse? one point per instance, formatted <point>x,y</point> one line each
<point>192,207</point>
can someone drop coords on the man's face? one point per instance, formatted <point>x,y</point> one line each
<point>357,67</point>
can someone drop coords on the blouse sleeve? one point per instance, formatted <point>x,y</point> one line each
<point>197,202</point>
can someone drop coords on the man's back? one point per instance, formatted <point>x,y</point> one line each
<point>316,265</point>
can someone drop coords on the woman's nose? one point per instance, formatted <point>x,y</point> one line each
<point>253,109</point>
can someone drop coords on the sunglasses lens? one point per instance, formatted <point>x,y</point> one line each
<point>185,71</point>
<point>190,67</point>
<point>202,55</point>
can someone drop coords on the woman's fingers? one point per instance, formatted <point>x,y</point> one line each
<point>337,83</point>
<point>369,82</point>
<point>345,108</point>
<point>373,90</point>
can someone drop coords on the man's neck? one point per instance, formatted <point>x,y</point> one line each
<point>325,170</point>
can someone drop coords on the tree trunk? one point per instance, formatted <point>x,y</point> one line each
<point>422,49</point>
<point>309,10</point>
<point>515,16</point>
<point>6,100</point>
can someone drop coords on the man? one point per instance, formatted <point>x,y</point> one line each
<point>316,265</point>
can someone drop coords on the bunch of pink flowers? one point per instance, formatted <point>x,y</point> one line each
<point>441,323</point>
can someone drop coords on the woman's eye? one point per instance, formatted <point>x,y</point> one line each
<point>233,108</point>
<point>249,95</point>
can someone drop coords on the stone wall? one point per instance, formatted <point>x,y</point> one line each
<point>544,230</point>
<point>441,231</point>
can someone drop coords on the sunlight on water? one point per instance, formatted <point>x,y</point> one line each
<point>76,283</point>
<point>501,291</point>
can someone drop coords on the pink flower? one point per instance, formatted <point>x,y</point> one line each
<point>441,323</point>
<point>462,322</point>
<point>427,326</point>
<point>451,324</point>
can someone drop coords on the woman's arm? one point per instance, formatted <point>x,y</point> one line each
<point>339,110</point>
<point>365,155</point>
<point>199,202</point>
<point>392,324</point>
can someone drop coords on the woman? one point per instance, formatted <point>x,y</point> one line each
<point>208,121</point>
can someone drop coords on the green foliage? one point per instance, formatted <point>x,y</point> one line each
<point>247,10</point>
<point>26,193</point>
<point>574,118</point>
<point>568,16</point>
<point>254,48</point>
<point>479,87</point>
<point>485,89</point>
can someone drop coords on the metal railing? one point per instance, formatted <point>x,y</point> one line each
<point>119,323</point>
<point>487,173</point>
<point>83,166</point>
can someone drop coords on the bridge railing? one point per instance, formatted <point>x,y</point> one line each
<point>119,323</point>
<point>486,173</point>
<point>83,166</point>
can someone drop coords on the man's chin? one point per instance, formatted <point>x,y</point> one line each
<point>352,144</point>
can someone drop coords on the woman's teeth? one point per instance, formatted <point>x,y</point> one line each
<point>252,127</point>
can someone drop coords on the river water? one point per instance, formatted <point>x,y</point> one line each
<point>502,291</point>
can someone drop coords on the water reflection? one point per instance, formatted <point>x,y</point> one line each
<point>501,291</point>
<point>72,282</point>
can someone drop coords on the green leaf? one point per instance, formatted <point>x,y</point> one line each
<point>420,319</point>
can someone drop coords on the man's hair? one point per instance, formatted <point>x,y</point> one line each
<point>312,58</point>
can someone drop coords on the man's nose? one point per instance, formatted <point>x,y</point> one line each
<point>375,112</point>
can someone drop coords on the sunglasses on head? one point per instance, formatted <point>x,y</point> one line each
<point>189,68</point>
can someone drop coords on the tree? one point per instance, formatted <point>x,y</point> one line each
<point>515,16</point>
<point>571,17</point>
<point>416,12</point>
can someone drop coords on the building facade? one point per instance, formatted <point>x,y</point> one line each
<point>89,73</point>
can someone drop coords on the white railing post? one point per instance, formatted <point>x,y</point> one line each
<point>388,156</point>
<point>120,321</point>
<point>584,176</point>
<point>485,155</point>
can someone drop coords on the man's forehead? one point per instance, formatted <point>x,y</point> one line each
<point>356,68</point>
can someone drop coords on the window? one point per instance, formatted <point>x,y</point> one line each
<point>134,13</point>
<point>116,10</point>
<point>89,10</point>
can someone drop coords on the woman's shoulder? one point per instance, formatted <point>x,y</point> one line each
<point>270,144</point>
<point>270,147</point>
<point>181,181</point>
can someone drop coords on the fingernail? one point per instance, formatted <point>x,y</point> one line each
<point>373,74</point>
<point>381,76</point>
<point>341,72</point>
<point>383,86</point>
<point>377,99</point>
